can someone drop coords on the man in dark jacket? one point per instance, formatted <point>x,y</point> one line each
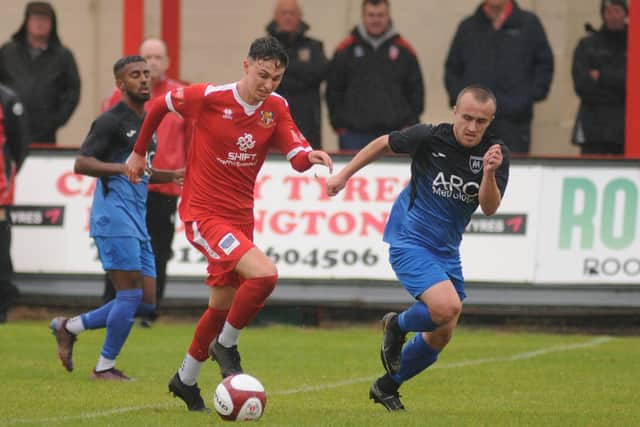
<point>505,49</point>
<point>374,83</point>
<point>307,67</point>
<point>599,78</point>
<point>42,71</point>
<point>13,149</point>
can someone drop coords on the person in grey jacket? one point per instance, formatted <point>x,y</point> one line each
<point>504,48</point>
<point>42,71</point>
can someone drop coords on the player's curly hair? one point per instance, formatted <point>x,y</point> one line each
<point>267,49</point>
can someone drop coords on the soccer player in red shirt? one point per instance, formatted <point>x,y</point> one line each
<point>234,126</point>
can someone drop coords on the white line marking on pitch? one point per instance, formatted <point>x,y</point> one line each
<point>322,387</point>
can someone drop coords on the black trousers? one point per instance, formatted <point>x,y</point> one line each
<point>8,291</point>
<point>161,224</point>
<point>516,135</point>
<point>601,148</point>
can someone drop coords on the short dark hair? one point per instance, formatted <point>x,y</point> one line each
<point>480,93</point>
<point>122,62</point>
<point>268,48</point>
<point>374,2</point>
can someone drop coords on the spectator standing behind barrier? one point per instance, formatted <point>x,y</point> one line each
<point>14,140</point>
<point>42,71</point>
<point>506,49</point>
<point>599,77</point>
<point>307,68</point>
<point>374,82</point>
<point>171,153</point>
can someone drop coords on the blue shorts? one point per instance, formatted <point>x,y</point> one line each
<point>126,254</point>
<point>418,269</point>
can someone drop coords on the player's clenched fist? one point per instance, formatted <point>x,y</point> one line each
<point>134,168</point>
<point>335,184</point>
<point>493,158</point>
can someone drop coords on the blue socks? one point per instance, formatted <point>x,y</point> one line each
<point>120,321</point>
<point>417,356</point>
<point>97,318</point>
<point>416,319</point>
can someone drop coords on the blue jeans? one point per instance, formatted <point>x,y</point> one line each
<point>353,140</point>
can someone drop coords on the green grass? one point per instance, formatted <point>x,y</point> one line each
<point>321,377</point>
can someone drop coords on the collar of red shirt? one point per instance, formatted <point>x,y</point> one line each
<point>500,19</point>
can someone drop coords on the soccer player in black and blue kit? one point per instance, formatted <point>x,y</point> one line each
<point>454,169</point>
<point>117,222</point>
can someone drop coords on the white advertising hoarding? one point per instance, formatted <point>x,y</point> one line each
<point>590,226</point>
<point>312,236</point>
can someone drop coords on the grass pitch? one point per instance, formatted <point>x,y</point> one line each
<point>321,377</point>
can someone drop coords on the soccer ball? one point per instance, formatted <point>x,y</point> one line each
<point>240,397</point>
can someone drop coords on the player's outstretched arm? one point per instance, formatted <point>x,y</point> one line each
<point>368,154</point>
<point>489,194</point>
<point>87,165</point>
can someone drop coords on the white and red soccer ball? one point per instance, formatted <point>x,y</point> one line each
<point>240,397</point>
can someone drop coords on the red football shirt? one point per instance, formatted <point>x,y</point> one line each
<point>229,144</point>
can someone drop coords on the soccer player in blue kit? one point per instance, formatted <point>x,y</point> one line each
<point>454,168</point>
<point>117,222</point>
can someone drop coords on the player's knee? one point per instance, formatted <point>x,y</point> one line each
<point>263,286</point>
<point>444,313</point>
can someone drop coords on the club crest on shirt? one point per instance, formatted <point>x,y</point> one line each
<point>266,119</point>
<point>475,163</point>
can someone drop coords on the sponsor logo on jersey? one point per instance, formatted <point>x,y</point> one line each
<point>228,243</point>
<point>227,114</point>
<point>475,164</point>
<point>241,157</point>
<point>131,133</point>
<point>438,154</point>
<point>266,119</point>
<point>246,142</point>
<point>454,187</point>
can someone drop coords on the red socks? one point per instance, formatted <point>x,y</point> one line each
<point>249,300</point>
<point>208,327</point>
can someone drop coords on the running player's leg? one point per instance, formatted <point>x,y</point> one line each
<point>205,236</point>
<point>126,260</point>
<point>430,280</point>
<point>128,286</point>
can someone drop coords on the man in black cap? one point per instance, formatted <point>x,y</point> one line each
<point>600,79</point>
<point>42,71</point>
